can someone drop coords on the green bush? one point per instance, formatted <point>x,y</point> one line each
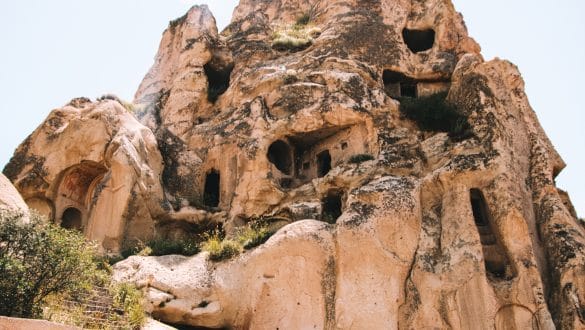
<point>434,113</point>
<point>253,235</point>
<point>294,37</point>
<point>360,158</point>
<point>129,299</point>
<point>220,248</point>
<point>38,260</point>
<point>162,247</point>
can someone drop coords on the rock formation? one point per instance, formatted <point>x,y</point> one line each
<point>412,180</point>
<point>10,199</point>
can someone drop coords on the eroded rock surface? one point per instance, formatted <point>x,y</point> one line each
<point>412,180</point>
<point>10,199</point>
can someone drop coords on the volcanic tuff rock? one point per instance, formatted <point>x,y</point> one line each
<point>10,199</point>
<point>412,180</point>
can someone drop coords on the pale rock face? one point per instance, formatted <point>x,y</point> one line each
<point>386,224</point>
<point>10,199</point>
<point>92,167</point>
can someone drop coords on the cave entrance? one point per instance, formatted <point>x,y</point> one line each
<point>72,219</point>
<point>218,78</point>
<point>281,155</point>
<point>323,163</point>
<point>211,191</point>
<point>478,206</point>
<point>496,261</point>
<point>397,84</point>
<point>331,206</point>
<point>419,40</point>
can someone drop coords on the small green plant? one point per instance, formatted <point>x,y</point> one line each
<point>304,19</point>
<point>129,299</point>
<point>162,247</point>
<point>220,248</point>
<point>130,107</point>
<point>184,247</point>
<point>38,260</point>
<point>294,37</point>
<point>253,235</point>
<point>434,113</point>
<point>360,158</point>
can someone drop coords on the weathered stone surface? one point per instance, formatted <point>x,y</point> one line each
<point>11,323</point>
<point>10,199</point>
<point>95,168</point>
<point>389,221</point>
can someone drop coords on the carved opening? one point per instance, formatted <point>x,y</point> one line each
<point>408,89</point>
<point>280,154</point>
<point>396,84</point>
<point>218,79</point>
<point>496,261</point>
<point>211,193</point>
<point>323,163</point>
<point>331,206</point>
<point>419,40</point>
<point>79,188</point>
<point>72,219</point>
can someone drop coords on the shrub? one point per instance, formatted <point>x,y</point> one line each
<point>162,247</point>
<point>434,113</point>
<point>220,249</point>
<point>360,158</point>
<point>253,235</point>
<point>38,260</point>
<point>294,37</point>
<point>304,19</point>
<point>130,107</point>
<point>129,299</point>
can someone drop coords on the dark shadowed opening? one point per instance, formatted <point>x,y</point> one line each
<point>323,163</point>
<point>397,84</point>
<point>211,193</point>
<point>331,206</point>
<point>71,219</point>
<point>218,80</point>
<point>408,89</point>
<point>497,264</point>
<point>419,40</point>
<point>280,154</point>
<point>478,207</point>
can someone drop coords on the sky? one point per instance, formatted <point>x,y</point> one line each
<point>53,51</point>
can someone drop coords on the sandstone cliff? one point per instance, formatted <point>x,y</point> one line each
<point>412,180</point>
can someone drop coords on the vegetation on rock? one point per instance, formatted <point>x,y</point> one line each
<point>54,273</point>
<point>220,248</point>
<point>434,113</point>
<point>161,247</point>
<point>38,260</point>
<point>294,37</point>
<point>360,158</point>
<point>253,234</point>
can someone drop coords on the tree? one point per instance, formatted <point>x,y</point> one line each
<point>37,260</point>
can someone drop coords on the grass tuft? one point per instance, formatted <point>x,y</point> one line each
<point>434,113</point>
<point>294,37</point>
<point>360,158</point>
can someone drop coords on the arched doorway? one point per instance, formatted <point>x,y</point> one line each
<point>76,194</point>
<point>72,219</point>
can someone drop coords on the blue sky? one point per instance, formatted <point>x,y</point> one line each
<point>53,51</point>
